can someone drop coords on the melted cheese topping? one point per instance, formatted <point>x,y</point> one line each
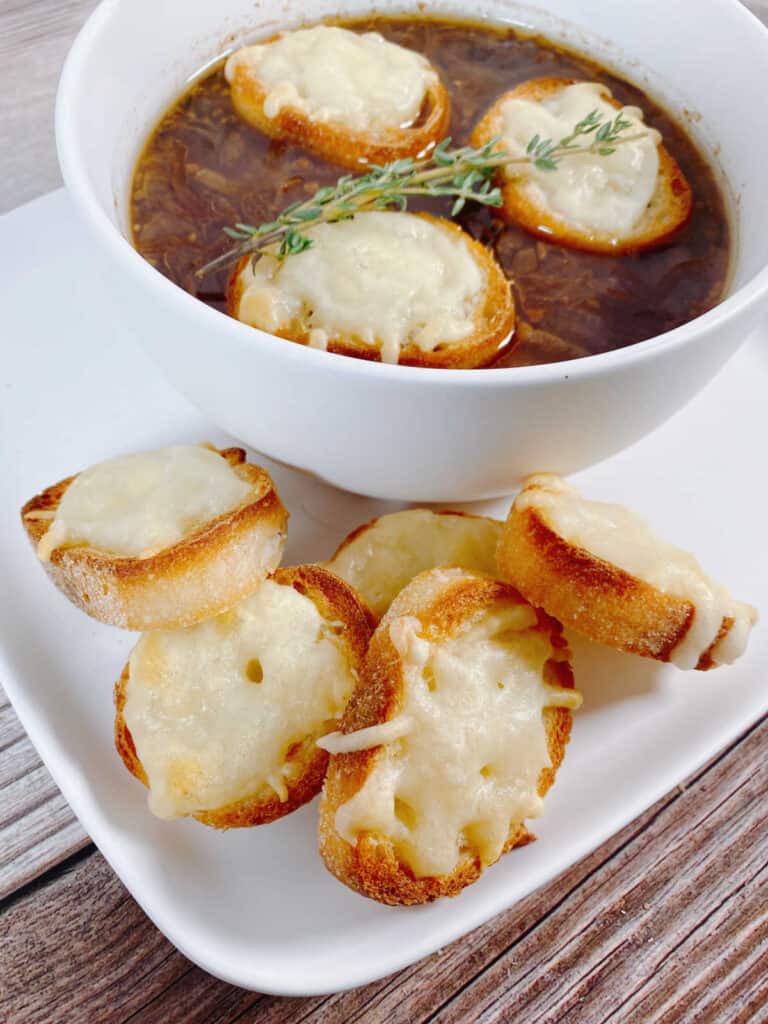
<point>330,74</point>
<point>364,739</point>
<point>603,194</point>
<point>140,504</point>
<point>385,279</point>
<point>619,536</point>
<point>467,769</point>
<point>382,559</point>
<point>215,709</point>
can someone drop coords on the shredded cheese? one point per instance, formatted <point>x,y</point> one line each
<point>467,768</point>
<point>364,739</point>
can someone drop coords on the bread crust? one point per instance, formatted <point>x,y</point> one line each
<point>494,321</point>
<point>595,597</point>
<point>335,142</point>
<point>443,601</point>
<point>668,211</point>
<point>338,603</point>
<point>203,574</point>
<point>363,528</point>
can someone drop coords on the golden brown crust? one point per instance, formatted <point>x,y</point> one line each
<point>338,143</point>
<point>668,211</point>
<point>364,527</point>
<point>443,601</point>
<point>494,320</point>
<point>336,600</point>
<point>202,575</point>
<point>338,604</point>
<point>595,597</point>
<point>124,744</point>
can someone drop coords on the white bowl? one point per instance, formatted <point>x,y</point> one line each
<point>401,432</point>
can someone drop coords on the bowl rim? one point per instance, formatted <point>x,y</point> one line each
<point>76,178</point>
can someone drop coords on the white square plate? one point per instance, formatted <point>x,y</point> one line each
<point>256,907</point>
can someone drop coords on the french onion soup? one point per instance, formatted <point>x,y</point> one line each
<point>206,167</point>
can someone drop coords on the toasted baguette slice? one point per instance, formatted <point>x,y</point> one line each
<point>668,209</point>
<point>395,287</point>
<point>379,558</point>
<point>213,565</point>
<point>220,720</point>
<point>382,103</point>
<point>599,569</point>
<point>449,741</point>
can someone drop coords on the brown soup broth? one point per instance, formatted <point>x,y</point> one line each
<point>204,168</point>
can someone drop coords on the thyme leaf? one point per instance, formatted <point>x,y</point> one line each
<point>466,173</point>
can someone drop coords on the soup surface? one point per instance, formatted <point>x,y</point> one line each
<point>204,168</point>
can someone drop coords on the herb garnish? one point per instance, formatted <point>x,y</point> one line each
<point>465,173</point>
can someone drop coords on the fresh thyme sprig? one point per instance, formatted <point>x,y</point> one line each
<point>466,174</point>
<point>546,155</point>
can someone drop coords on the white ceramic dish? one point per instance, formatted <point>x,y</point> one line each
<point>256,907</point>
<point>399,431</point>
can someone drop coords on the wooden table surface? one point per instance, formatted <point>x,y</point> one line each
<point>667,922</point>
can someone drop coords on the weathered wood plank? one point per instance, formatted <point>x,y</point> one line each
<point>614,951</point>
<point>84,901</point>
<point>414,993</point>
<point>197,998</point>
<point>11,730</point>
<point>662,924</point>
<point>79,949</point>
<point>37,828</point>
<point>39,837</point>
<point>758,7</point>
<point>34,38</point>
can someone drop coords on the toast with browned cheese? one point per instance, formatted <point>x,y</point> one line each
<point>629,196</point>
<point>450,739</point>
<point>382,102</point>
<point>159,539</point>
<point>220,720</point>
<point>380,557</point>
<point>387,286</point>
<point>599,569</point>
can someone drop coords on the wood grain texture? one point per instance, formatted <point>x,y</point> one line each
<point>34,38</point>
<point>37,827</point>
<point>665,924</point>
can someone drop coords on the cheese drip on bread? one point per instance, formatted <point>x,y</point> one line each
<point>215,710</point>
<point>622,538</point>
<point>473,742</point>
<point>593,192</point>
<point>330,74</point>
<point>384,279</point>
<point>139,504</point>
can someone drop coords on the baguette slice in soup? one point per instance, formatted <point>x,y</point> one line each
<point>353,98</point>
<point>622,196</point>
<point>395,287</point>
